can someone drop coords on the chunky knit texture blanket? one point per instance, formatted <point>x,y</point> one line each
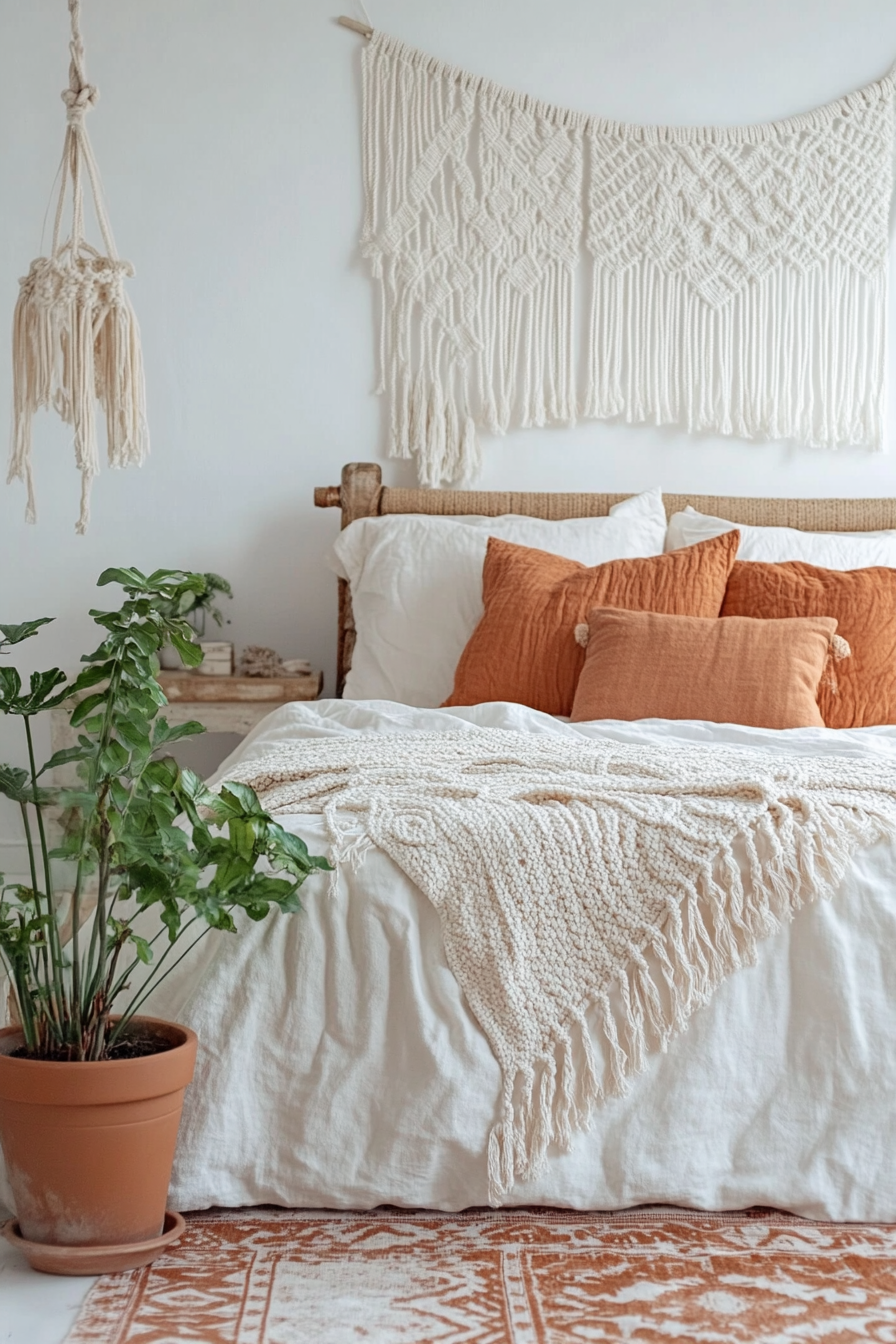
<point>592,895</point>
<point>735,281</point>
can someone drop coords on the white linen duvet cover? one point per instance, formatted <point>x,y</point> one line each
<point>340,1066</point>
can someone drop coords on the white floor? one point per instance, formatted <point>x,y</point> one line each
<point>35,1308</point>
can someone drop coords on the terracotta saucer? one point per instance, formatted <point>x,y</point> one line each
<point>95,1259</point>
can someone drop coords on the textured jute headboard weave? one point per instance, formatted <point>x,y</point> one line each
<point>363,495</point>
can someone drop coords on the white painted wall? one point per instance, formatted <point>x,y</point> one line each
<point>227,135</point>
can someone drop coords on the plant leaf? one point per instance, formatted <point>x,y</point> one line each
<point>42,686</point>
<point>85,707</point>
<point>162,774</point>
<point>64,757</point>
<point>190,653</point>
<point>142,948</point>
<point>163,733</point>
<point>83,799</point>
<point>128,578</point>
<point>10,685</point>
<point>114,759</point>
<point>134,738</point>
<point>245,797</point>
<point>92,676</point>
<point>14,634</point>
<point>15,783</point>
<point>147,640</point>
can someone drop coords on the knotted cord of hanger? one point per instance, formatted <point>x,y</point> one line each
<point>79,98</point>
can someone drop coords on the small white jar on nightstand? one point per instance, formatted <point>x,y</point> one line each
<point>217,658</point>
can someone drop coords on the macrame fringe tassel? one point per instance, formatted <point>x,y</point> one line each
<point>74,344</point>
<point>794,355</point>
<point>476,320</point>
<point>710,931</point>
<point>75,336</point>
<point>533,334</point>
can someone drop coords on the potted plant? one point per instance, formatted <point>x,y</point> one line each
<point>90,1091</point>
<point>198,602</point>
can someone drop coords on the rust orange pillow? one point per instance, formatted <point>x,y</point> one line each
<point>639,665</point>
<point>863,603</point>
<point>524,648</point>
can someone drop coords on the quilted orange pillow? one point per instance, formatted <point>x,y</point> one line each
<point>524,648</point>
<point>639,665</point>
<point>863,603</point>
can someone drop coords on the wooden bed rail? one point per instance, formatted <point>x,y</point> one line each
<point>358,496</point>
<point>362,494</point>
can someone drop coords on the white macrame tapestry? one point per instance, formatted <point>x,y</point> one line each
<point>736,277</point>
<point>75,335</point>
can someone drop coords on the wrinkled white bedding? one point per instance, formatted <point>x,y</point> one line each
<point>340,1066</point>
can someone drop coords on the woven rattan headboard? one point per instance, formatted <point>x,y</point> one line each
<point>363,495</point>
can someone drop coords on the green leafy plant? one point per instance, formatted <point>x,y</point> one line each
<point>202,602</point>
<point>138,830</point>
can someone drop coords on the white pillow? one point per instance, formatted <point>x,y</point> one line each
<point>416,585</point>
<point>831,550</point>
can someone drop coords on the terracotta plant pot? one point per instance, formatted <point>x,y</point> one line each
<point>89,1147</point>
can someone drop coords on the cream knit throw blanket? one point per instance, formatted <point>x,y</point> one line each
<point>585,882</point>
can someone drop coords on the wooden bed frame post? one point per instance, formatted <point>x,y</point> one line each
<point>358,496</point>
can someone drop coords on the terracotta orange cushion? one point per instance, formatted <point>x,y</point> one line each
<point>524,648</point>
<point>863,603</point>
<point>640,665</point>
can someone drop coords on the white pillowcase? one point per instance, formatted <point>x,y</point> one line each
<point>416,584</point>
<point>831,550</point>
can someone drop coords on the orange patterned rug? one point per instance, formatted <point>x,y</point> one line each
<point>518,1277</point>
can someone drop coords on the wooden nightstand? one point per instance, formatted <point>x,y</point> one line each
<point>232,704</point>
<point>220,704</point>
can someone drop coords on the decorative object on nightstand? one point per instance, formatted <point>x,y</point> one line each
<point>217,658</point>
<point>232,704</point>
<point>217,655</point>
<point>259,661</point>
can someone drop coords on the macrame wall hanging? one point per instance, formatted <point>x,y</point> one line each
<point>75,335</point>
<point>736,279</point>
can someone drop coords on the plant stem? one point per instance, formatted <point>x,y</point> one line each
<point>98,935</point>
<point>120,982</point>
<point>76,960</point>
<point>52,924</point>
<point>88,976</point>
<point>93,975</point>
<point>148,989</point>
<point>45,957</point>
<point>107,997</point>
<point>22,989</point>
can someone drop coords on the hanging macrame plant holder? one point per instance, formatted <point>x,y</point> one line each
<point>75,336</point>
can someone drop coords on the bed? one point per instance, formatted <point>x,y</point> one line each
<point>341,1065</point>
<point>361,494</point>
